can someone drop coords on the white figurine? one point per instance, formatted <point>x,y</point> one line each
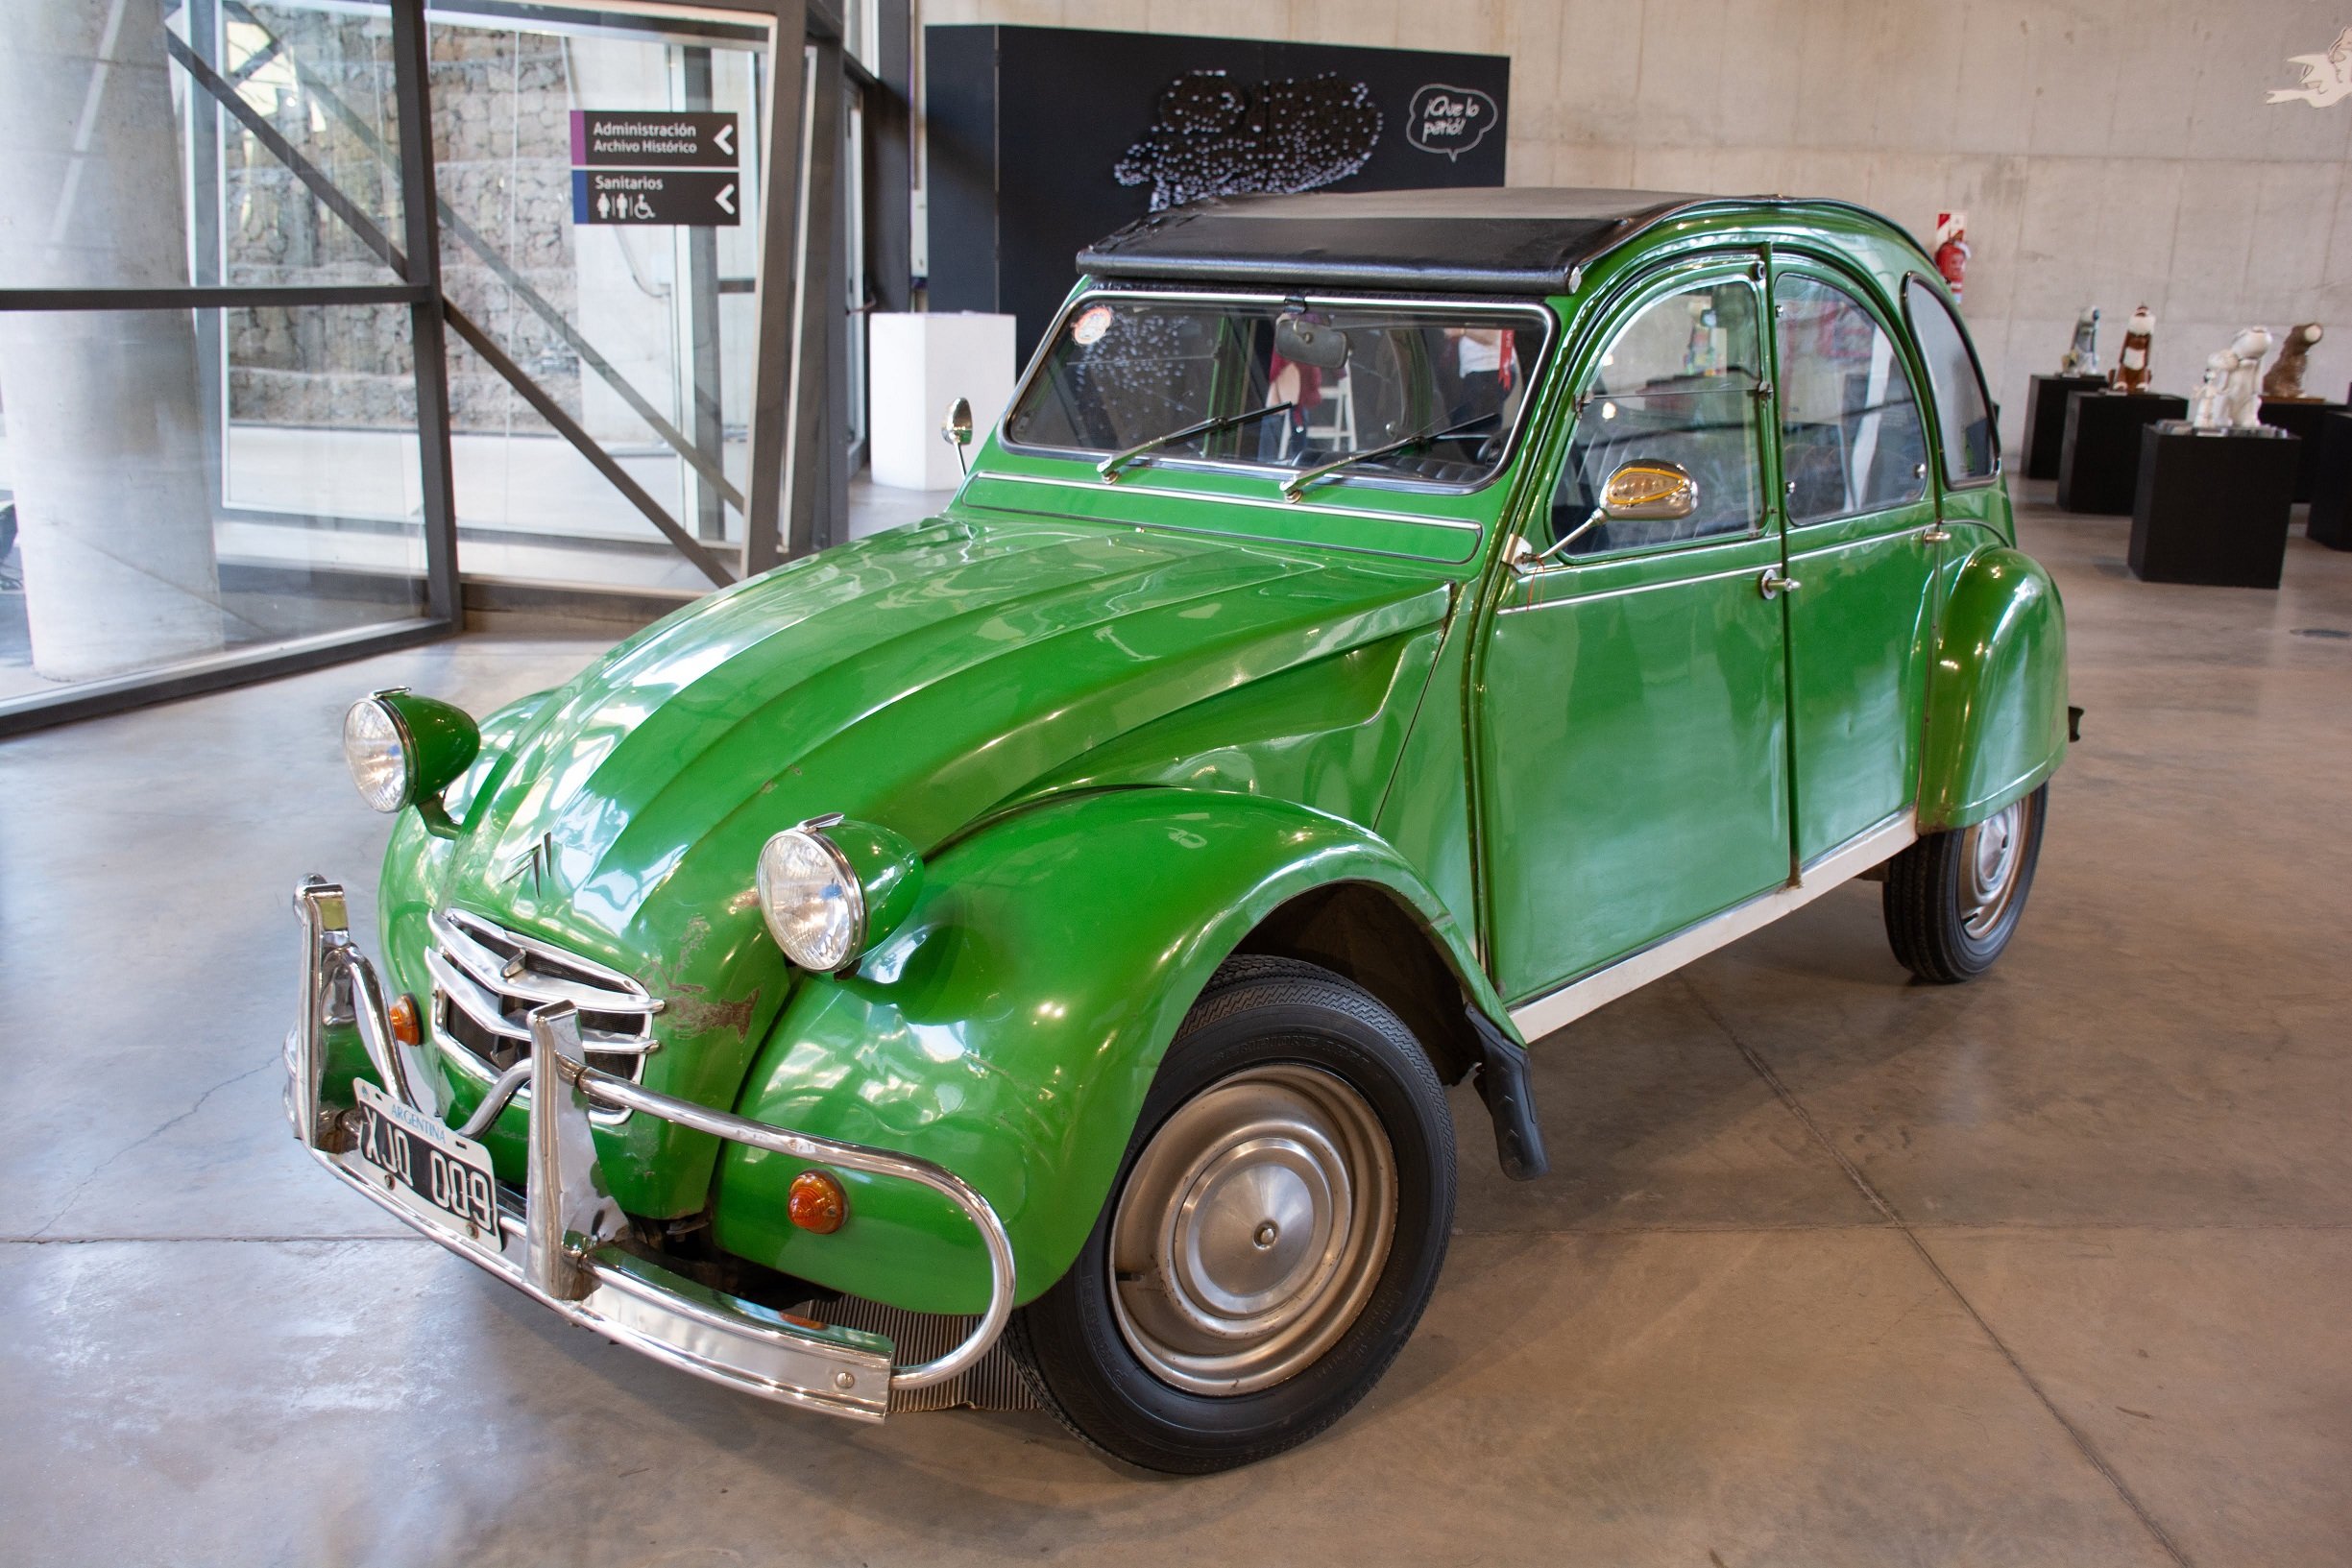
<point>2229,399</point>
<point>2205,403</point>
<point>2082,359</point>
<point>2241,394</point>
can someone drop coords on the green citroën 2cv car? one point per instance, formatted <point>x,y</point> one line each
<point>1382,629</point>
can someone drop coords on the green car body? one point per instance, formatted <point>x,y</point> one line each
<point>1135,725</point>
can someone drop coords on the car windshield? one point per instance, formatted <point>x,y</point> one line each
<point>1124,372</point>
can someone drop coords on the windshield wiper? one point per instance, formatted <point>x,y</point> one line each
<point>1110,466</point>
<point>1298,482</point>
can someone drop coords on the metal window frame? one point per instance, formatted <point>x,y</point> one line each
<point>420,289</point>
<point>798,487</point>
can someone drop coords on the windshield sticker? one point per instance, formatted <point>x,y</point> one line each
<point>1090,326</point>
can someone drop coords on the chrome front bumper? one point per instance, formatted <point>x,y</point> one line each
<point>558,1246</point>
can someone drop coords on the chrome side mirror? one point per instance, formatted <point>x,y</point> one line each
<point>956,429</point>
<point>1644,489</point>
<point>1650,490</point>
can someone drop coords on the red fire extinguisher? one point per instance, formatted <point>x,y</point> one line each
<point>1952,248</point>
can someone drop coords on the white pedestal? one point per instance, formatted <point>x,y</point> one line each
<point>920,363</point>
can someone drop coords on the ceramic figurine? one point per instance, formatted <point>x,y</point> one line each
<point>2241,394</point>
<point>2205,403</point>
<point>2283,382</point>
<point>1951,250</point>
<point>2082,359</point>
<point>2131,372</point>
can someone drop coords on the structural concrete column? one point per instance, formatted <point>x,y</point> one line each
<point>105,429</point>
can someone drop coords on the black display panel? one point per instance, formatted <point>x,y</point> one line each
<point>1043,140</point>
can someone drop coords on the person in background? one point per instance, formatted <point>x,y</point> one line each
<point>1302,386</point>
<point>1486,363</point>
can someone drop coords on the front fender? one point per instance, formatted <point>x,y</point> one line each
<point>1996,720</point>
<point>1010,1028</point>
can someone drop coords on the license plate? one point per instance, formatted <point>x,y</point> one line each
<point>450,1176</point>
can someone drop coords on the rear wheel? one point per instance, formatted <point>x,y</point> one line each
<point>1277,1228</point>
<point>1952,899</point>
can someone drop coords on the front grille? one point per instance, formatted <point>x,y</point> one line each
<point>486,980</point>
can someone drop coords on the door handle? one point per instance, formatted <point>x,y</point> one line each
<point>1774,583</point>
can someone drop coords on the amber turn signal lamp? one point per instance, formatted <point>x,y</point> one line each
<point>817,1203</point>
<point>401,1015</point>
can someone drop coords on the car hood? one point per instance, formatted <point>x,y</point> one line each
<point>919,679</point>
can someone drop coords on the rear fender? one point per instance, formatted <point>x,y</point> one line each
<point>1996,721</point>
<point>1012,1028</point>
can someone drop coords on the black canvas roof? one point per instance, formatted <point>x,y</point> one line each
<point>1511,239</point>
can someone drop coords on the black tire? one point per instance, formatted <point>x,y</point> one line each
<point>1938,918</point>
<point>1300,1026</point>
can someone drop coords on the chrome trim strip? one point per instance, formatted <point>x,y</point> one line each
<point>1916,531</point>
<point>1872,847</point>
<point>481,1004</point>
<point>560,1253</point>
<point>1289,509</point>
<point>623,995</point>
<point>1701,546</point>
<point>1595,597</point>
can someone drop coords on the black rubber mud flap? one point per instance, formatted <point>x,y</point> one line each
<point>1502,1080</point>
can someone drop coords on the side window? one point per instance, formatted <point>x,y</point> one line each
<point>1963,413</point>
<point>1676,382</point>
<point>1851,436</point>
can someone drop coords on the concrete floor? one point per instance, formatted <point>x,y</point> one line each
<point>2051,1269</point>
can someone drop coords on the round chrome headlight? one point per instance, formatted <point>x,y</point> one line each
<point>810,899</point>
<point>376,748</point>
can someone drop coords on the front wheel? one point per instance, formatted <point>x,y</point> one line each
<point>1952,899</point>
<point>1275,1230</point>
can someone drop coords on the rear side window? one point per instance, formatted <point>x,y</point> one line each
<point>1851,436</point>
<point>1963,413</point>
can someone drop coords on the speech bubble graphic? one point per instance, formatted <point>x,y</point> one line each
<point>1450,120</point>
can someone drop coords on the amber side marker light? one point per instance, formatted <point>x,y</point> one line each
<point>401,1015</point>
<point>816,1202</point>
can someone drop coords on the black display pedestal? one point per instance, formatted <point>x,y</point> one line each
<point>2302,421</point>
<point>2099,461</point>
<point>2046,400</point>
<point>2330,522</point>
<point>2213,508</point>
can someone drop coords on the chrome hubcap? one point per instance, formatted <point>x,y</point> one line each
<point>1990,855</point>
<point>1252,1230</point>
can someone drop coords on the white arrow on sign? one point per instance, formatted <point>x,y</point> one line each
<point>726,143</point>
<point>726,199</point>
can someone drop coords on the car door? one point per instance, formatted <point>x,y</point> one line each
<point>1859,519</point>
<point>1633,743</point>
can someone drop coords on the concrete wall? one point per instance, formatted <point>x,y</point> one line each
<point>2107,152</point>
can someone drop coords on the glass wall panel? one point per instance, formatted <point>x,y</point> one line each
<point>642,332</point>
<point>137,532</point>
<point>147,138</point>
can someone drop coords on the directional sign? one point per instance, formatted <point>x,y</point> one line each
<point>628,138</point>
<point>703,198</point>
